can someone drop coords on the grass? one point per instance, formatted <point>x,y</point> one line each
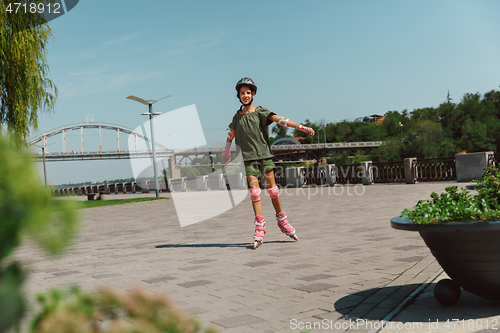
<point>103,203</point>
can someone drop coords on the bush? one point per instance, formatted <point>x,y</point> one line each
<point>26,208</point>
<point>74,311</point>
<point>454,205</point>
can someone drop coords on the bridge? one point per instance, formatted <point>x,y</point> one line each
<point>73,155</point>
<point>286,150</point>
<point>283,153</point>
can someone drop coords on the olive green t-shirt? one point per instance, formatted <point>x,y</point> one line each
<point>252,134</point>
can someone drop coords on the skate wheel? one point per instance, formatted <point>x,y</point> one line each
<point>295,237</point>
<point>256,244</point>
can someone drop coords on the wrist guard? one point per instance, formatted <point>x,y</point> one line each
<point>304,129</point>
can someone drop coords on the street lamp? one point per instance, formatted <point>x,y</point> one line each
<point>151,114</point>
<point>322,127</point>
<point>43,159</point>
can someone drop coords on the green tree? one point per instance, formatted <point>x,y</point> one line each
<point>390,151</point>
<point>24,86</point>
<point>26,208</point>
<point>395,123</point>
<point>279,132</point>
<point>427,139</point>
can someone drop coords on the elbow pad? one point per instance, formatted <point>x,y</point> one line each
<point>231,135</point>
<point>283,121</point>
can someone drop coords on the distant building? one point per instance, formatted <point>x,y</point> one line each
<point>373,119</point>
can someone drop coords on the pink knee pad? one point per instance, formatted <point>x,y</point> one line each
<point>274,192</point>
<point>255,194</point>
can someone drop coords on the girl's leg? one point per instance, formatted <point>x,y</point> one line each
<point>270,183</point>
<point>260,223</point>
<point>281,217</point>
<point>254,184</point>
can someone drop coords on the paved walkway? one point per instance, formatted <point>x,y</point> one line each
<point>349,264</point>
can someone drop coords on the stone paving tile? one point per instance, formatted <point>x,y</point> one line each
<point>106,276</point>
<point>315,277</point>
<point>196,283</point>
<point>310,288</point>
<point>160,279</point>
<point>347,251</point>
<point>300,266</point>
<point>240,320</point>
<point>193,268</point>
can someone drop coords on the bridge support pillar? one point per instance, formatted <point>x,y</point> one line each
<point>367,170</point>
<point>201,183</point>
<point>411,172</point>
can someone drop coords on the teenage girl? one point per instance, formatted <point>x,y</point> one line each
<point>250,127</point>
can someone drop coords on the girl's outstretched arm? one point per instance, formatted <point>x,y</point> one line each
<point>288,123</point>
<point>226,155</point>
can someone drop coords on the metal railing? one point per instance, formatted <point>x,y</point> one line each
<point>349,173</point>
<point>327,145</point>
<point>493,159</point>
<point>315,175</point>
<point>442,168</point>
<point>385,172</point>
<point>280,179</point>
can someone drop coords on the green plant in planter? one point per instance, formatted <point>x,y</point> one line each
<point>460,206</point>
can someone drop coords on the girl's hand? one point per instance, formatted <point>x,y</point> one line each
<point>306,129</point>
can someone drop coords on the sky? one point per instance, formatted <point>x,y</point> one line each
<point>317,60</point>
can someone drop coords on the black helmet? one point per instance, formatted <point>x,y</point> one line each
<point>246,81</point>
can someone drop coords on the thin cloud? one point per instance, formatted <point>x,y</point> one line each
<point>194,44</point>
<point>93,81</point>
<point>124,38</point>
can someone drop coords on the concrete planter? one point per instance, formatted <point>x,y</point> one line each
<point>468,252</point>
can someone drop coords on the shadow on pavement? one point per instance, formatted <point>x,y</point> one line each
<point>377,303</point>
<point>247,245</point>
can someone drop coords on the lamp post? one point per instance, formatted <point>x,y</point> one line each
<point>43,159</point>
<point>151,114</point>
<point>44,170</point>
<point>322,127</point>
